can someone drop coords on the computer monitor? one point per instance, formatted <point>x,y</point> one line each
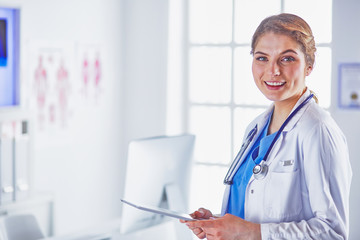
<point>158,174</point>
<point>9,58</point>
<point>3,42</point>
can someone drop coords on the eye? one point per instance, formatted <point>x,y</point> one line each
<point>288,59</point>
<point>263,59</point>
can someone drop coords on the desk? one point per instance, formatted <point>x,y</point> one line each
<point>99,232</point>
<point>111,231</point>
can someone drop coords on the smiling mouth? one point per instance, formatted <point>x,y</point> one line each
<point>275,84</point>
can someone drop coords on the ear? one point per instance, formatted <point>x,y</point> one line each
<point>308,70</point>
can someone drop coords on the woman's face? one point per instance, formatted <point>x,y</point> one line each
<point>279,68</point>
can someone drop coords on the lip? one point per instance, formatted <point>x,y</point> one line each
<point>273,85</point>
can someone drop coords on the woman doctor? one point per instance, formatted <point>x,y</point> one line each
<point>291,179</point>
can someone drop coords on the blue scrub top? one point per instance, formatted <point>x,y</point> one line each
<point>236,205</point>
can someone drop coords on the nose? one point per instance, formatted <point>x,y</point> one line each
<point>274,69</point>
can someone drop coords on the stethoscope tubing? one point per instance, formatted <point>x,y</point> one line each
<point>235,164</point>
<point>236,161</point>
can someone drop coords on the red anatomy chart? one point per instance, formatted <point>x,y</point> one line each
<point>51,95</point>
<point>63,79</point>
<point>41,88</point>
<point>91,72</point>
<point>63,90</point>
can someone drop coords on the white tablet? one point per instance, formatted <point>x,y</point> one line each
<point>161,211</point>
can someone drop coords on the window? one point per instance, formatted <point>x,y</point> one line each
<point>221,96</point>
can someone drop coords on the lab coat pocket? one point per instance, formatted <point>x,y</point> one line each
<point>282,199</point>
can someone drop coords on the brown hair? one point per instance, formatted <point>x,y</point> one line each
<point>292,26</point>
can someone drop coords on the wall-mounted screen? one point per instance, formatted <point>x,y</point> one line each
<point>3,45</point>
<point>9,57</point>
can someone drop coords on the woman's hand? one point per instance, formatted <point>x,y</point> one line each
<point>228,227</point>
<point>201,213</point>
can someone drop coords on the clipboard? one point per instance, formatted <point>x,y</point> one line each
<point>161,211</point>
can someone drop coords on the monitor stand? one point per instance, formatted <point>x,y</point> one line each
<point>171,229</point>
<point>176,202</point>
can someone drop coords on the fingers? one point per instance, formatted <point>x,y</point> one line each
<point>202,228</point>
<point>199,233</point>
<point>201,213</point>
<point>203,224</point>
<point>198,215</point>
<point>196,226</point>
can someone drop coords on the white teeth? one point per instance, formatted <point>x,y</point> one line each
<point>275,83</point>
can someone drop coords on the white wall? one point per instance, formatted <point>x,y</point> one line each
<point>346,48</point>
<point>81,164</point>
<point>145,67</point>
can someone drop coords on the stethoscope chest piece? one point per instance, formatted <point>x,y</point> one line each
<point>260,170</point>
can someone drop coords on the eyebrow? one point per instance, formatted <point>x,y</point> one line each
<point>286,51</point>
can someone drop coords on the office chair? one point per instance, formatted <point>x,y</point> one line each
<point>21,227</point>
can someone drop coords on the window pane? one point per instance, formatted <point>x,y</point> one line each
<point>318,16</point>
<point>249,14</point>
<point>210,21</point>
<point>211,125</point>
<point>320,79</point>
<point>210,74</point>
<point>207,187</point>
<point>242,118</point>
<point>245,90</point>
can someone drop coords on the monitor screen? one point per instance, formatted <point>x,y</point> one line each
<point>158,174</point>
<point>9,57</point>
<point>3,44</point>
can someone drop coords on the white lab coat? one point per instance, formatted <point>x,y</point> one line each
<point>308,199</point>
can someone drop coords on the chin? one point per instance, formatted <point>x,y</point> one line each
<point>273,97</point>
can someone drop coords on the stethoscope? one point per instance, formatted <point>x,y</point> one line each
<point>260,170</point>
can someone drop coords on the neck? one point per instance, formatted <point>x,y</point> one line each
<point>278,118</point>
<point>282,110</point>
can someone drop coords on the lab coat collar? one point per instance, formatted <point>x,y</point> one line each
<point>262,119</point>
<point>295,118</point>
<point>298,115</point>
